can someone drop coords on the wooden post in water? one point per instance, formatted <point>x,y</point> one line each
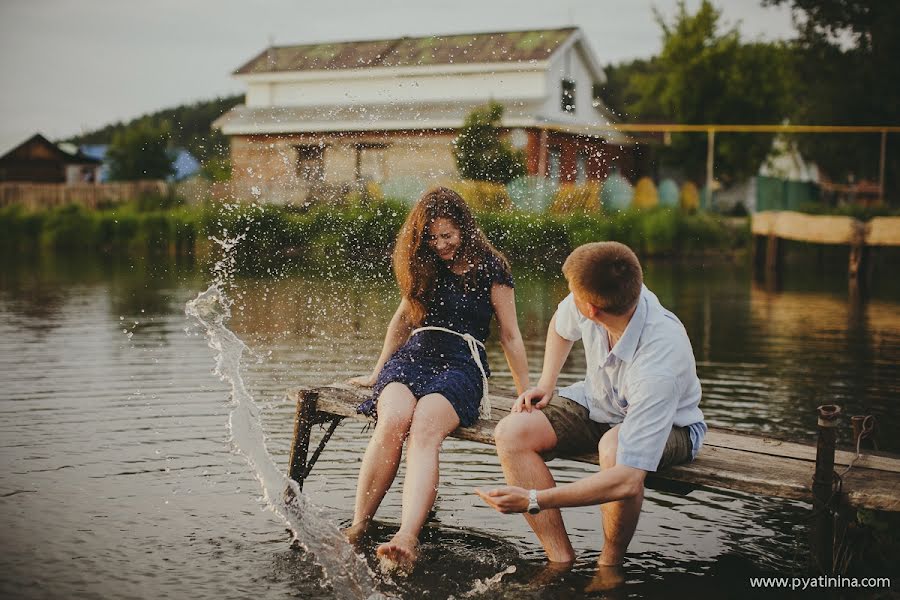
<point>304,420</point>
<point>858,267</point>
<point>774,261</point>
<point>824,500</point>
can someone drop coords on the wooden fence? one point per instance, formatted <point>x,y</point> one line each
<point>90,195</point>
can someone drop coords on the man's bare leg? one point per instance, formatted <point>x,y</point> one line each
<point>433,420</point>
<point>520,437</point>
<point>382,458</point>
<point>620,518</point>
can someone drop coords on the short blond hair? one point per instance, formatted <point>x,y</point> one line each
<point>606,274</point>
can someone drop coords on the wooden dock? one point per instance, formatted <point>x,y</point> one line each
<point>769,228</point>
<point>836,483</point>
<point>729,459</point>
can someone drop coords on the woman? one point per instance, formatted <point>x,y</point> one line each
<point>431,374</point>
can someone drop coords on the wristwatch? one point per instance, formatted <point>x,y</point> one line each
<point>533,506</point>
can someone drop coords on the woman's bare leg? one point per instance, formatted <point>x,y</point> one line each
<point>433,420</point>
<point>382,458</point>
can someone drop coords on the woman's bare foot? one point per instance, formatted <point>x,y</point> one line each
<point>399,554</point>
<point>355,532</point>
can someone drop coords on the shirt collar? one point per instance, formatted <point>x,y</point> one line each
<point>627,345</point>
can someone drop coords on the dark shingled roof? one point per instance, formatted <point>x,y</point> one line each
<point>510,46</point>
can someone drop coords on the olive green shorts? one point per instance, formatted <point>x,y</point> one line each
<point>577,435</point>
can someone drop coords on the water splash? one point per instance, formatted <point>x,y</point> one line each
<point>482,586</point>
<point>347,572</point>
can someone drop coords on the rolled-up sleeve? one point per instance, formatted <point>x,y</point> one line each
<point>652,403</point>
<point>568,319</point>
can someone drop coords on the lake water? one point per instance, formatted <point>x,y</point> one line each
<point>119,477</point>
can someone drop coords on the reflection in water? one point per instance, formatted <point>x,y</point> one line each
<point>131,433</point>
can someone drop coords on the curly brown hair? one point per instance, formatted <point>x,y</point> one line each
<point>416,264</point>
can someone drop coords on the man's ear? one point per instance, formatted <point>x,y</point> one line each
<point>594,311</point>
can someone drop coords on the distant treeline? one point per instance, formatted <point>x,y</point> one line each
<point>189,124</point>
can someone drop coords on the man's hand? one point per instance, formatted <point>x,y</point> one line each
<point>536,397</point>
<point>506,499</point>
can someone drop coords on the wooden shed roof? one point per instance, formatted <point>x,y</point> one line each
<point>39,148</point>
<point>470,48</point>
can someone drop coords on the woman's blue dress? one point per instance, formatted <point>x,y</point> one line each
<point>435,362</point>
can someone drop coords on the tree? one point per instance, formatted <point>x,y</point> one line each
<point>190,127</point>
<point>707,76</point>
<point>847,59</point>
<point>481,154</point>
<point>141,152</point>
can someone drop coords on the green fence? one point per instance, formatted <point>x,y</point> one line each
<point>779,194</point>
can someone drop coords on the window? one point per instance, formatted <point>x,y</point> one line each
<point>581,167</point>
<point>568,95</point>
<point>311,162</point>
<point>554,155</point>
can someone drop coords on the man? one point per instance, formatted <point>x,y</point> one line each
<point>638,405</point>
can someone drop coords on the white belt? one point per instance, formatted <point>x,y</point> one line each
<point>484,409</point>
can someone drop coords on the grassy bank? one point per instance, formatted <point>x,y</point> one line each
<point>274,238</point>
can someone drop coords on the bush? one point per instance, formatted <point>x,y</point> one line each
<point>480,153</point>
<point>69,227</point>
<point>482,196</point>
<point>576,198</point>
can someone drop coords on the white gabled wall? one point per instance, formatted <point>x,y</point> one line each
<point>369,88</point>
<point>569,64</point>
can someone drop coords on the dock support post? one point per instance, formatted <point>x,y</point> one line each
<point>858,267</point>
<point>824,500</point>
<point>758,250</point>
<point>304,420</point>
<point>774,261</point>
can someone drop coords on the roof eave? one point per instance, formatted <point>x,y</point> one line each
<point>370,72</point>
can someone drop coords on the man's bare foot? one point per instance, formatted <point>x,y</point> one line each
<point>399,555</point>
<point>355,532</point>
<point>551,572</point>
<point>607,577</point>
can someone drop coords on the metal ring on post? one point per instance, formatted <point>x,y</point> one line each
<point>829,415</point>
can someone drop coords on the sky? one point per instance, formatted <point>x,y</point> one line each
<point>69,66</point>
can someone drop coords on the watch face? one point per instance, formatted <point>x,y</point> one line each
<point>533,510</point>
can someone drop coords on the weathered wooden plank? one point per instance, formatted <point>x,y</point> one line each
<point>883,231</point>
<point>728,459</point>
<point>775,447</point>
<point>826,229</point>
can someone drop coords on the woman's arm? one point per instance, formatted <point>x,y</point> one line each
<point>555,353</point>
<point>503,299</point>
<point>397,333</point>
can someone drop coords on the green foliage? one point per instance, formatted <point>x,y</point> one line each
<point>704,75</point>
<point>69,227</point>
<point>275,239</point>
<point>481,154</point>
<point>847,63</point>
<point>141,152</point>
<point>190,128</point>
<point>216,169</point>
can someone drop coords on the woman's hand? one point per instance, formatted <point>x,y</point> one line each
<point>366,381</point>
<point>536,397</point>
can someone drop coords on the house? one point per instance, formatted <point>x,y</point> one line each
<point>38,160</point>
<point>340,114</point>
